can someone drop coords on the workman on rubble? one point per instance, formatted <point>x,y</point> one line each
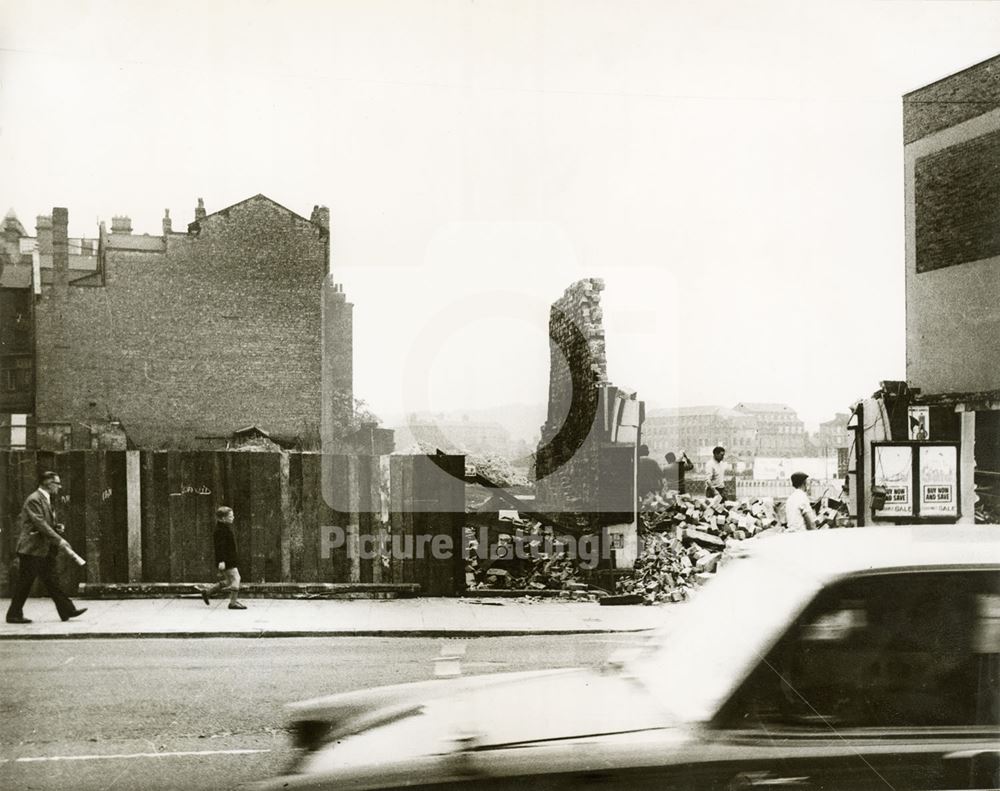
<point>716,469</point>
<point>649,476</point>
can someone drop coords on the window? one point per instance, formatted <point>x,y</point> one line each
<point>16,374</point>
<point>884,651</point>
<point>18,431</point>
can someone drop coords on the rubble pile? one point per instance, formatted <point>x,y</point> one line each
<point>666,570</point>
<point>683,538</point>
<point>530,558</point>
<point>729,519</point>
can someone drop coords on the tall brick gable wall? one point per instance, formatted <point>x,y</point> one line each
<point>219,330</point>
<point>568,462</point>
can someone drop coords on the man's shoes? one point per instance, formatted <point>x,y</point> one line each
<point>75,613</point>
<point>17,619</point>
<point>237,605</point>
<point>204,597</point>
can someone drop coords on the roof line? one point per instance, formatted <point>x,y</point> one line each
<point>254,197</point>
<point>953,74</point>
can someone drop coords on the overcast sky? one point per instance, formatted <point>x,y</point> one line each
<point>732,170</point>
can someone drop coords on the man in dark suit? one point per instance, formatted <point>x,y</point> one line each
<point>40,540</point>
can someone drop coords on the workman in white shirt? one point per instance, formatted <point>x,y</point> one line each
<point>799,514</point>
<point>716,469</point>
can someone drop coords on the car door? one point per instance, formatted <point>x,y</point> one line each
<point>886,680</point>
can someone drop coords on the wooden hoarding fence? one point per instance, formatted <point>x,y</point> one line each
<point>148,516</point>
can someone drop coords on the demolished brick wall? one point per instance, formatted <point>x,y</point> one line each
<point>567,463</point>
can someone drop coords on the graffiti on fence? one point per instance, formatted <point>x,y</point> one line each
<point>188,489</point>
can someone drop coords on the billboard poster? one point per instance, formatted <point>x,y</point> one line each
<point>920,423</point>
<point>818,468</point>
<point>893,469</point>
<point>939,480</point>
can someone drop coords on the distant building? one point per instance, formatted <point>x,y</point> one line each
<point>176,339</point>
<point>698,429</point>
<point>746,431</point>
<point>779,430</point>
<point>833,435</point>
<point>835,439</point>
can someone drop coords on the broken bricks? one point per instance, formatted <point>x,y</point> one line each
<point>683,540</point>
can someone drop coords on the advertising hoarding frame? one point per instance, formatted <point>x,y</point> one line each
<point>945,510</point>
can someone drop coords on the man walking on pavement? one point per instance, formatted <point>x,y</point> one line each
<point>225,559</point>
<point>716,483</point>
<point>40,539</point>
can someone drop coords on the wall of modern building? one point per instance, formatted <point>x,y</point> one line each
<point>952,191</point>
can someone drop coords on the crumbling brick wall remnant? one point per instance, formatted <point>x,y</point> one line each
<point>567,463</point>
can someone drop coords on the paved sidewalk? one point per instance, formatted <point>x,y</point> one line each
<point>428,617</point>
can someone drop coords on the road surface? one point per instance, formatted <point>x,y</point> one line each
<point>108,715</point>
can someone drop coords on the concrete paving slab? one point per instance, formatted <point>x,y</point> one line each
<point>423,617</point>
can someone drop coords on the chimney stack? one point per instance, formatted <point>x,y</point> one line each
<point>200,213</point>
<point>43,232</point>
<point>167,223</point>
<point>321,216</point>
<point>121,224</point>
<point>60,248</point>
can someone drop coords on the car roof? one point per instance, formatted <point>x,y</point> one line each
<point>827,553</point>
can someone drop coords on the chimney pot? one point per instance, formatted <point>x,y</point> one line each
<point>167,223</point>
<point>199,212</point>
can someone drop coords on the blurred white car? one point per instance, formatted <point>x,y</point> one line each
<point>843,659</point>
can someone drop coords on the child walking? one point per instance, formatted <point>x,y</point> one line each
<point>225,559</point>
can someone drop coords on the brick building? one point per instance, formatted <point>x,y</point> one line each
<point>20,260</point>
<point>179,339</point>
<point>16,344</point>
